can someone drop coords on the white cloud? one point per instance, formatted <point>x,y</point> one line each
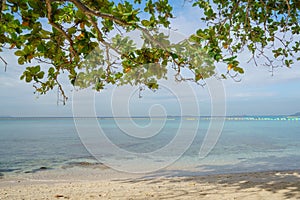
<point>253,94</point>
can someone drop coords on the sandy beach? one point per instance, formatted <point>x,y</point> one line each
<point>260,185</point>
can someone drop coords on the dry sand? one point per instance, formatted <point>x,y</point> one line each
<point>261,185</point>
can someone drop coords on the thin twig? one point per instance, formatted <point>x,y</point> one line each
<point>61,90</point>
<point>5,63</point>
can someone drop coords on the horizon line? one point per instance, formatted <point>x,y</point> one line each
<point>168,116</point>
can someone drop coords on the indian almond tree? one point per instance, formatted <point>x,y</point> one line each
<point>85,40</point>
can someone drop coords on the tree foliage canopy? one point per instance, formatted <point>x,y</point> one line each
<point>85,39</point>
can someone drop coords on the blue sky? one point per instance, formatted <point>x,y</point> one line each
<point>258,93</point>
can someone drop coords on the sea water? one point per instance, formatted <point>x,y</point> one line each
<point>28,145</point>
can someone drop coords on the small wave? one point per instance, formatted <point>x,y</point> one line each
<point>85,164</point>
<point>9,170</point>
<point>38,169</point>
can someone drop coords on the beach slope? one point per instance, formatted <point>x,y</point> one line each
<point>260,185</point>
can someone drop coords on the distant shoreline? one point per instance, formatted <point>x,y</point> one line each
<point>254,118</point>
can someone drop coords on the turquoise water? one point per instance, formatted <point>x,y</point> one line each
<point>29,145</point>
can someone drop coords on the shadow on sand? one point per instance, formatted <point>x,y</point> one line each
<point>275,181</point>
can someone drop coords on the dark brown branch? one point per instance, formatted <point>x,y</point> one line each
<point>289,7</point>
<point>43,61</point>
<point>99,33</point>
<point>62,92</point>
<point>100,37</point>
<point>90,12</point>
<point>59,28</point>
<point>2,4</point>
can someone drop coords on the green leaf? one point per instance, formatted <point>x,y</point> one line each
<point>119,75</point>
<point>36,69</point>
<point>145,23</point>
<point>19,53</point>
<point>239,70</point>
<point>41,48</point>
<point>40,75</point>
<point>223,76</point>
<point>72,30</point>
<point>28,78</point>
<point>21,60</point>
<point>51,70</point>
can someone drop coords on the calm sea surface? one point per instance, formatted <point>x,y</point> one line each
<point>27,145</point>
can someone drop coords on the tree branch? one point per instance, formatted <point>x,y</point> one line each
<point>90,12</point>
<point>58,28</point>
<point>5,63</point>
<point>2,3</point>
<point>2,6</point>
<point>62,92</point>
